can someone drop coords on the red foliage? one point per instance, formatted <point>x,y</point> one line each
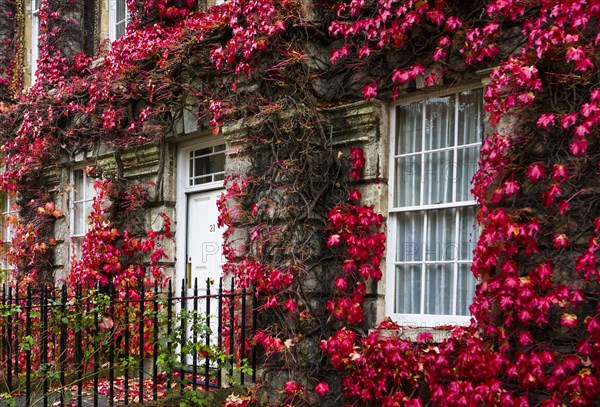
<point>502,359</point>
<point>109,255</point>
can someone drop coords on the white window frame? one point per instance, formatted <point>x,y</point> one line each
<point>112,19</point>
<point>417,320</point>
<point>75,239</point>
<point>35,41</point>
<point>183,166</point>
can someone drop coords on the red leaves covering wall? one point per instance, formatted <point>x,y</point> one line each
<point>533,183</point>
<point>536,256</point>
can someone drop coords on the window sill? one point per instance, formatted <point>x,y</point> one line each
<point>411,333</point>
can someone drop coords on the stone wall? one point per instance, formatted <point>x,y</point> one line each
<point>365,125</point>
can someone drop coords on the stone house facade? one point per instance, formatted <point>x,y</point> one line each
<point>264,102</point>
<point>421,152</point>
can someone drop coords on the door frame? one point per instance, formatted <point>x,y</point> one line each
<point>181,206</point>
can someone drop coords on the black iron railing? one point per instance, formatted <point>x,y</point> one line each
<point>118,345</point>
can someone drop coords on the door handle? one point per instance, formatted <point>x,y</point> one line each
<point>189,273</point>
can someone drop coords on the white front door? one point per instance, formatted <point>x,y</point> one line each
<point>201,171</point>
<point>204,242</point>
<point>204,265</point>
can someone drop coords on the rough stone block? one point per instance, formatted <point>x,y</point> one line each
<point>376,195</point>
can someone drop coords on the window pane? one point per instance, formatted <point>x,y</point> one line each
<point>439,289</point>
<point>439,122</point>
<point>6,235</point>
<point>7,227</point>
<point>4,263</point>
<point>220,147</point>
<point>409,245</point>
<point>120,30</point>
<point>465,170</point>
<point>202,151</point>
<point>88,211</point>
<point>78,184</point>
<point>203,164</point>
<point>408,181</point>
<point>470,117</point>
<point>7,211</point>
<point>78,219</point>
<point>121,10</point>
<point>439,177</point>
<point>440,243</point>
<point>410,128</point>
<point>468,232</point>
<point>76,245</point>
<point>201,180</point>
<point>90,191</point>
<point>408,289</point>
<point>466,289</point>
<point>217,163</point>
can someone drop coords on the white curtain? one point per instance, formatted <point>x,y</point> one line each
<point>470,117</point>
<point>408,289</point>
<point>409,141</point>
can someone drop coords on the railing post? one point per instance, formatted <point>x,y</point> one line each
<point>195,335</point>
<point>111,345</point>
<point>243,334</point>
<point>79,344</point>
<point>9,343</point>
<point>183,338</point>
<point>28,351</point>
<point>207,360</point>
<point>63,342</point>
<point>141,326</point>
<point>44,350</point>
<point>126,345</point>
<point>169,322</point>
<point>254,326</point>
<point>231,327</point>
<point>16,348</point>
<point>96,331</point>
<point>220,328</point>
<point>155,354</point>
